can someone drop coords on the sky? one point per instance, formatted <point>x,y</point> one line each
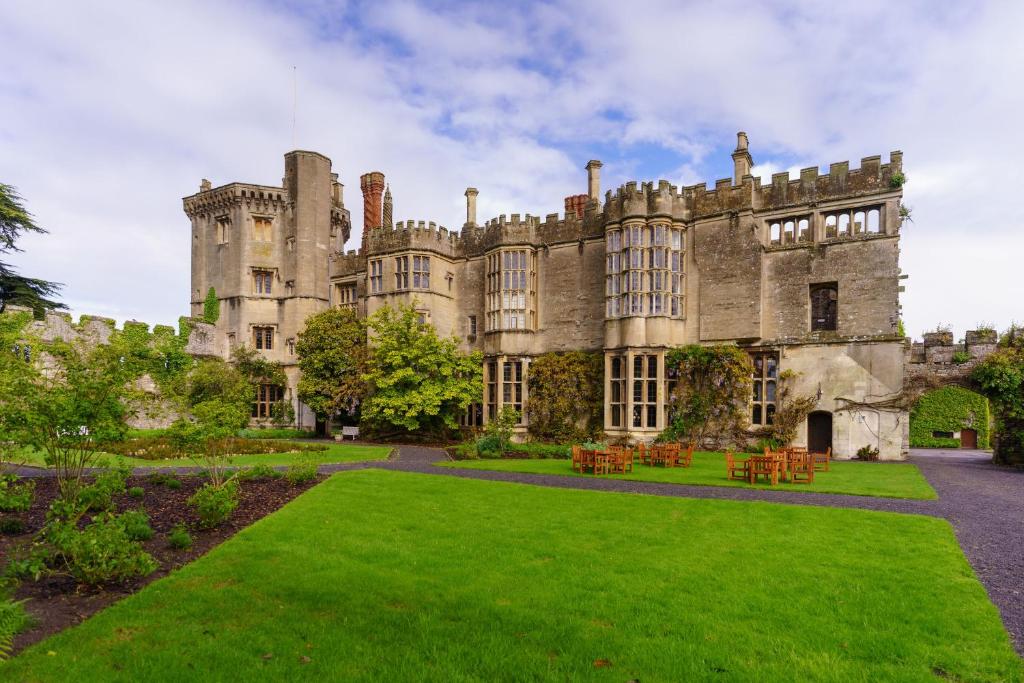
<point>111,112</point>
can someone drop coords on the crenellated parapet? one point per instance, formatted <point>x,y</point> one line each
<point>348,263</point>
<point>412,235</point>
<point>218,200</point>
<point>644,200</point>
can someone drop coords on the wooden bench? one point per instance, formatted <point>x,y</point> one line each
<point>737,469</point>
<point>766,466</point>
<point>801,468</point>
<point>822,460</point>
<point>350,432</point>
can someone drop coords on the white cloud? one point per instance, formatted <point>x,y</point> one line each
<point>111,115</point>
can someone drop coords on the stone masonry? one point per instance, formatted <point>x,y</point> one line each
<point>803,273</point>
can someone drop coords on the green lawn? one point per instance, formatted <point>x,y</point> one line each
<point>890,480</point>
<point>391,576</point>
<point>336,452</point>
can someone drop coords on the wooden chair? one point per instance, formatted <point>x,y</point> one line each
<point>577,458</point>
<point>643,453</point>
<point>822,460</point>
<point>801,469</point>
<point>601,462</point>
<point>737,469</point>
<point>766,466</point>
<point>627,460</point>
<point>686,459</point>
<point>587,461</point>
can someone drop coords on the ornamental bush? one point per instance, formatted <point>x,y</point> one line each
<point>949,409</point>
<point>711,395</point>
<point>214,504</point>
<point>102,551</point>
<point>16,496</point>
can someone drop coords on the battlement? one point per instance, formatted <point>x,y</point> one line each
<point>410,234</point>
<point>634,200</point>
<point>347,263</point>
<point>220,199</point>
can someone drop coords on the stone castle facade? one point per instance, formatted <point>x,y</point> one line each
<point>803,273</point>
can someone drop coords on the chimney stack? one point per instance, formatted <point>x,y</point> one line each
<point>205,186</point>
<point>388,209</point>
<point>471,194</point>
<point>576,203</point>
<point>372,185</point>
<point>594,179</point>
<point>741,159</point>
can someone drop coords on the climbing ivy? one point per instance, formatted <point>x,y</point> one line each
<point>211,307</point>
<point>950,409</point>
<point>566,397</point>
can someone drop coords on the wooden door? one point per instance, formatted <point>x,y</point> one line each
<point>968,438</point>
<point>819,431</point>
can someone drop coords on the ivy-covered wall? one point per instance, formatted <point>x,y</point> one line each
<point>949,409</point>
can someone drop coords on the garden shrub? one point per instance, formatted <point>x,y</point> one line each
<point>712,393</point>
<point>136,492</point>
<point>488,446</point>
<point>99,495</point>
<point>168,480</point>
<point>179,537</point>
<point>100,552</point>
<point>301,472</point>
<point>214,504</point>
<point>867,453</point>
<point>260,471</point>
<point>136,525</point>
<point>13,620</point>
<point>16,496</point>
<point>276,433</point>
<point>539,451</point>
<point>566,396</point>
<point>949,409</point>
<point>166,447</point>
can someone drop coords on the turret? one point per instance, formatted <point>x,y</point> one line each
<point>741,159</point>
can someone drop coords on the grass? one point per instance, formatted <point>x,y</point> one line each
<point>889,480</point>
<point>335,453</point>
<point>378,575</point>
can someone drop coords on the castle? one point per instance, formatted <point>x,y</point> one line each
<point>802,273</point>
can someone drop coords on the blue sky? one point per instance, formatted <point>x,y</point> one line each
<point>110,112</point>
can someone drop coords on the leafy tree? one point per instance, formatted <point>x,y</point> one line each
<point>211,307</point>
<point>712,393</point>
<point>1000,377</point>
<point>566,396</point>
<point>17,289</point>
<point>218,400</point>
<point>417,380</point>
<point>333,357</point>
<point>62,399</point>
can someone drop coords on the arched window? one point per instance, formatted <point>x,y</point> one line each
<point>776,231</point>
<point>788,231</point>
<point>874,224</point>
<point>824,307</point>
<point>844,224</point>
<point>858,223</point>
<point>830,226</point>
<point>803,230</point>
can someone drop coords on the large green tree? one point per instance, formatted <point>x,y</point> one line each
<point>418,381</point>
<point>566,396</point>
<point>333,357</point>
<point>712,393</point>
<point>15,289</point>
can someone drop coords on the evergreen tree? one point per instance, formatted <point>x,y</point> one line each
<point>16,289</point>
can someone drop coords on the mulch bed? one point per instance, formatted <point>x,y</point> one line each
<point>57,602</point>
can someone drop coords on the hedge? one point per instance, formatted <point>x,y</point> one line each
<point>948,410</point>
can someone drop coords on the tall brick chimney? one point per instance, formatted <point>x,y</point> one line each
<point>576,203</point>
<point>372,185</point>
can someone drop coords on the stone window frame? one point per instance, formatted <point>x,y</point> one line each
<point>266,396</point>
<point>617,404</point>
<point>345,294</point>
<point>511,289</point>
<point>764,389</point>
<point>843,223</point>
<point>791,229</point>
<point>826,320</point>
<point>263,337</point>
<point>645,263</point>
<point>263,280</point>
<point>506,383</point>
<point>644,371</point>
<point>376,275</point>
<point>222,227</point>
<point>258,234</point>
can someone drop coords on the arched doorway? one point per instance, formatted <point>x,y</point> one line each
<point>819,431</point>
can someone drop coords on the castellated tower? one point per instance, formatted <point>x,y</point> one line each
<point>266,251</point>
